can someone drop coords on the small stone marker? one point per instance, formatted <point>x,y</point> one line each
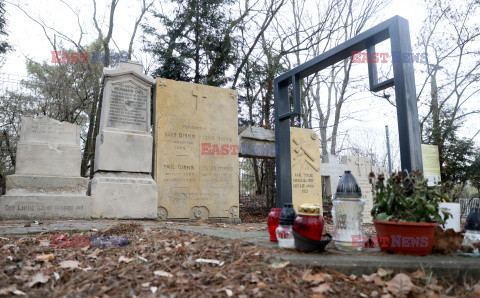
<point>332,170</point>
<point>306,176</point>
<point>122,186</point>
<point>361,168</point>
<point>196,151</point>
<point>47,182</point>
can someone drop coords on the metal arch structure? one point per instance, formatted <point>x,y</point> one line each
<point>396,29</point>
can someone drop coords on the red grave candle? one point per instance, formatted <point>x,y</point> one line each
<point>272,222</point>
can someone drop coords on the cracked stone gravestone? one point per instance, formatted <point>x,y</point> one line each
<point>196,151</point>
<point>122,186</point>
<point>306,176</point>
<point>47,182</point>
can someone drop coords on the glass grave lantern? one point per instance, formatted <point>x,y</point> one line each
<point>347,215</point>
<point>472,231</point>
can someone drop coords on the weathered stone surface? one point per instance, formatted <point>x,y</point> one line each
<point>332,169</point>
<point>124,142</point>
<point>257,142</point>
<point>196,151</point>
<point>306,176</point>
<point>44,140</point>
<point>25,184</point>
<point>49,160</point>
<point>361,168</point>
<point>44,130</point>
<point>123,195</point>
<point>122,186</point>
<point>45,206</point>
<point>127,152</point>
<point>47,182</point>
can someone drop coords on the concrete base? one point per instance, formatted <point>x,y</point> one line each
<point>45,206</point>
<point>123,152</point>
<point>39,185</point>
<point>123,196</point>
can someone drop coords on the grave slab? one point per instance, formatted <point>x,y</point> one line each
<point>196,151</point>
<point>306,176</point>
<point>47,182</point>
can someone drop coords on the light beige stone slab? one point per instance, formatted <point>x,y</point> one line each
<point>306,175</point>
<point>361,168</point>
<point>196,151</point>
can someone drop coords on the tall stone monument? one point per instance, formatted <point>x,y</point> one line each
<point>47,182</point>
<point>196,151</point>
<point>122,186</point>
<point>306,175</point>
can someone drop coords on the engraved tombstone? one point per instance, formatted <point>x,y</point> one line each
<point>47,182</point>
<point>196,151</point>
<point>122,186</point>
<point>305,161</point>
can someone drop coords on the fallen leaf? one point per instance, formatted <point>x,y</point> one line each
<point>369,278</point>
<point>279,265</point>
<point>319,277</point>
<point>18,293</point>
<point>323,288</point>
<point>123,259</point>
<point>378,281</point>
<point>261,286</point>
<point>476,289</point>
<point>71,264</point>
<point>153,289</point>
<point>163,273</point>
<point>38,278</point>
<point>219,263</point>
<point>353,277</point>
<point>43,258</point>
<point>44,243</point>
<point>418,274</point>
<point>400,285</point>
<point>382,272</point>
<point>56,275</point>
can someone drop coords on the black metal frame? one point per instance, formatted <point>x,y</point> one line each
<point>397,30</point>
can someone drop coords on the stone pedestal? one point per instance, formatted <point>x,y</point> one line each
<point>123,195</point>
<point>47,182</point>
<point>122,186</point>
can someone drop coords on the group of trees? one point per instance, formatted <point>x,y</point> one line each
<point>245,45</point>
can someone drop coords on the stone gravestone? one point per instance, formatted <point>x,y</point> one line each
<point>361,168</point>
<point>332,170</point>
<point>306,176</point>
<point>196,151</point>
<point>122,186</point>
<point>257,142</point>
<point>47,182</point>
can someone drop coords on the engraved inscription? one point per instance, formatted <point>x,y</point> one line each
<point>128,107</point>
